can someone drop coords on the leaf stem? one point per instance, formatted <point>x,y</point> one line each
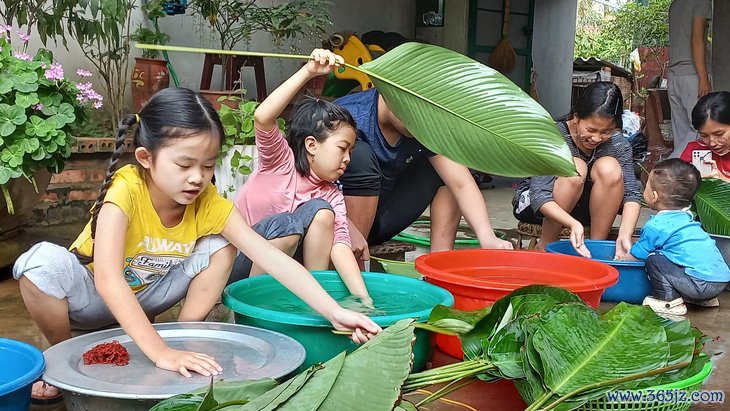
<point>8,200</point>
<point>227,52</point>
<point>446,390</point>
<point>422,326</point>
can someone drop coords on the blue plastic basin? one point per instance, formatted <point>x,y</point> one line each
<point>263,302</point>
<point>22,365</point>
<point>633,284</point>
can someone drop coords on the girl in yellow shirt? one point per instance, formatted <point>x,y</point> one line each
<point>159,233</point>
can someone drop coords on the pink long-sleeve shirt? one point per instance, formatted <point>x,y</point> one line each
<point>277,187</point>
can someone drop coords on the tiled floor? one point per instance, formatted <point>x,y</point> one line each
<point>15,322</point>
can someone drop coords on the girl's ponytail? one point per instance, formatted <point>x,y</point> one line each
<point>119,150</point>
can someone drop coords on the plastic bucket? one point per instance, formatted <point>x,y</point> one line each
<point>22,365</point>
<point>479,277</point>
<point>633,284</point>
<point>263,302</point>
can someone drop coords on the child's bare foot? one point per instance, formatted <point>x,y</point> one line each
<point>43,393</point>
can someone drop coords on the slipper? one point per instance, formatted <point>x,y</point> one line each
<point>46,400</point>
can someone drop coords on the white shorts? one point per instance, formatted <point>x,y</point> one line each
<point>58,273</point>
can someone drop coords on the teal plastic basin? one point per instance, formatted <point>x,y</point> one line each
<point>263,302</point>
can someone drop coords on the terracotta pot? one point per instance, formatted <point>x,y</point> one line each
<point>149,77</point>
<point>24,199</point>
<point>214,95</point>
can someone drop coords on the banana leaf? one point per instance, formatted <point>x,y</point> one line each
<point>469,112</point>
<point>457,107</point>
<point>271,399</point>
<point>712,203</point>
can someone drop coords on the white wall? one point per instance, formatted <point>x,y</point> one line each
<point>552,51</point>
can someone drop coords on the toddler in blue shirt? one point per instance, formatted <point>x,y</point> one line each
<point>682,261</point>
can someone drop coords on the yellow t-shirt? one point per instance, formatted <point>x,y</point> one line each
<point>150,248</point>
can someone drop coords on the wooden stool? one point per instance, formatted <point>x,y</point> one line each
<point>534,232</point>
<point>234,64</point>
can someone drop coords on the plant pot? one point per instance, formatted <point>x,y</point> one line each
<point>149,77</point>
<point>228,179</point>
<point>24,199</point>
<point>215,95</point>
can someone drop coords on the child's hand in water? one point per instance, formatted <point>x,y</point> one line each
<point>577,237</point>
<point>323,62</point>
<point>186,361</point>
<point>364,327</point>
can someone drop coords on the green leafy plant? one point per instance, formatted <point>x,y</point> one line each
<point>147,36</point>
<point>712,206</point>
<point>235,21</point>
<point>38,108</point>
<point>459,108</point>
<point>154,10</point>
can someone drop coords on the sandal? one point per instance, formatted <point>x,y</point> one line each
<point>46,400</point>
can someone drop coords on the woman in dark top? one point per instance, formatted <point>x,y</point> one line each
<point>605,184</point>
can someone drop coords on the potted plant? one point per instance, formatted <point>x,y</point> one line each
<point>39,106</point>
<point>238,157</point>
<point>151,74</point>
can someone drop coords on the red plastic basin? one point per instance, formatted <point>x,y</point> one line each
<point>478,277</point>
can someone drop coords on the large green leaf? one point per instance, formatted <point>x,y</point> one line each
<point>221,391</point>
<point>372,376</point>
<point>317,388</point>
<point>469,112</point>
<point>271,399</point>
<point>712,202</point>
<point>578,349</point>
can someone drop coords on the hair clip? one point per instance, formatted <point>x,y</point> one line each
<point>136,116</point>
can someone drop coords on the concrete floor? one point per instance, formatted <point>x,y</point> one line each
<point>15,322</point>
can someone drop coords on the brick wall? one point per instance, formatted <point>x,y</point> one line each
<point>71,193</point>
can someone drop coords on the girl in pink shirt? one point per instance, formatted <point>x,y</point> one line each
<point>292,199</point>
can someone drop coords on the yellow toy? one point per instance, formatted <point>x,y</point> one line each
<point>355,53</point>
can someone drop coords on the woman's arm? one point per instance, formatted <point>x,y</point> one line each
<point>470,199</point>
<point>109,281</point>
<point>296,278</point>
<point>322,62</point>
<point>629,218</point>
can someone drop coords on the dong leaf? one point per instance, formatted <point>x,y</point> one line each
<point>271,399</point>
<point>317,388</point>
<point>712,203</point>
<point>469,112</point>
<point>221,391</point>
<point>373,374</point>
<point>577,349</point>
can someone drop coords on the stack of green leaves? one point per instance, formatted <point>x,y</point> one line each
<point>560,352</point>
<point>369,379</point>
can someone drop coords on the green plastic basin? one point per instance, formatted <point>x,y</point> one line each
<point>263,302</point>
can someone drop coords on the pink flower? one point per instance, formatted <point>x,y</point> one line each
<point>38,106</point>
<point>24,37</point>
<point>6,29</point>
<point>87,94</point>
<point>83,73</point>
<point>98,104</point>
<point>55,72</point>
<point>22,56</point>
